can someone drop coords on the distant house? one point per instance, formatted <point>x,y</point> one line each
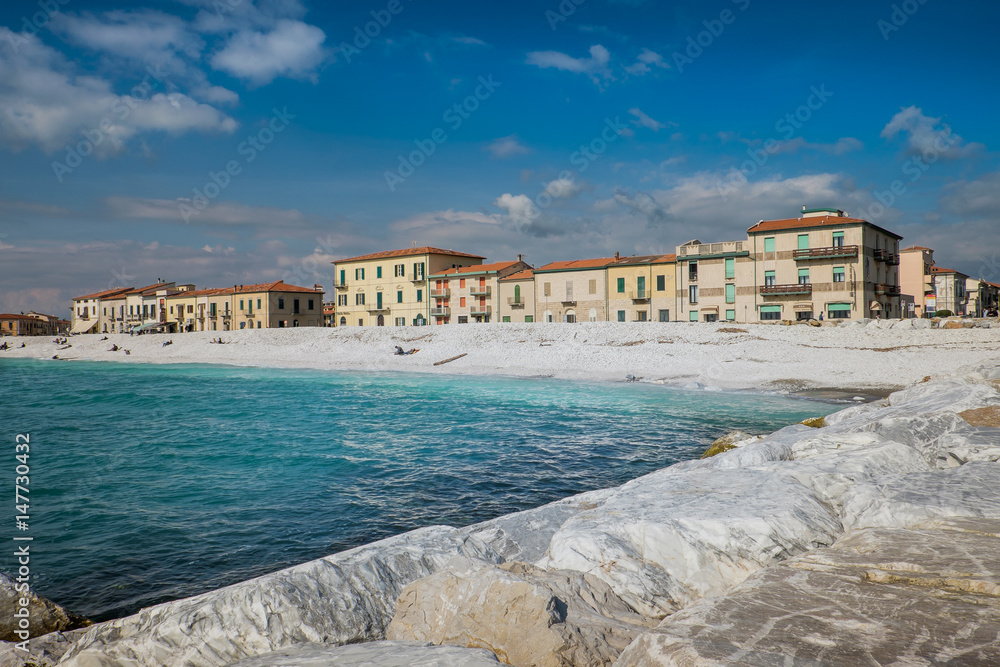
<point>87,309</point>
<point>274,305</point>
<point>329,314</point>
<point>572,291</point>
<point>983,297</point>
<point>949,290</point>
<point>471,293</point>
<point>641,288</point>
<point>916,280</point>
<point>32,324</point>
<point>517,296</point>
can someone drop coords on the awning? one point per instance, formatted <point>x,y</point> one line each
<point>770,309</point>
<point>83,326</point>
<point>838,307</point>
<point>875,305</point>
<point>149,326</point>
<point>709,309</point>
<point>803,307</point>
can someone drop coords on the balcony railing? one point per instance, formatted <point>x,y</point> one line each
<point>479,291</point>
<point>440,311</point>
<point>568,300</point>
<point>375,308</point>
<point>710,248</point>
<point>443,293</point>
<point>419,278</point>
<point>887,290</point>
<point>340,285</point>
<point>639,295</point>
<point>800,288</point>
<point>514,302</point>
<point>826,253</point>
<point>478,310</point>
<point>885,256</point>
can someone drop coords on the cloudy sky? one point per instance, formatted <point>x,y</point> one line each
<point>237,141</point>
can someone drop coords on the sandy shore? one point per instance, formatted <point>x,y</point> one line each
<point>876,358</point>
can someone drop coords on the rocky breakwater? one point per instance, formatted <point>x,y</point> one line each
<point>870,539</point>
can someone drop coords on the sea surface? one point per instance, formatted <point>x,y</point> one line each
<point>156,482</point>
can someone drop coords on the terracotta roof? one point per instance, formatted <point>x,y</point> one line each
<point>478,268</point>
<point>406,252</point>
<point>639,259</point>
<point>666,259</point>
<point>151,288</point>
<point>520,275</point>
<point>597,263</point>
<point>12,316</point>
<point>276,286</point>
<point>802,223</point>
<point>915,247</point>
<point>941,269</point>
<point>105,293</point>
<point>197,292</point>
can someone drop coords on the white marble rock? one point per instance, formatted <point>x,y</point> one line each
<point>373,654</point>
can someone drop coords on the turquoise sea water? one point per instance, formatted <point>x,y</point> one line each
<point>153,482</point>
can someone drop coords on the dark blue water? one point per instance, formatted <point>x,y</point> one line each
<point>152,482</point>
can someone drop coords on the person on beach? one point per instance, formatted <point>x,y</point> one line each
<point>821,316</point>
<point>165,343</point>
<point>399,351</point>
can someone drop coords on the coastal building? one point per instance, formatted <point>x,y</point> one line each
<point>329,313</point>
<point>392,287</point>
<point>663,305</point>
<point>275,305</point>
<point>824,262</point>
<point>630,283</point>
<point>87,309</point>
<point>949,290</point>
<point>916,280</point>
<point>715,281</point>
<point>573,291</point>
<point>517,297</point>
<point>144,306</point>
<point>983,297</point>
<point>31,324</point>
<point>470,294</point>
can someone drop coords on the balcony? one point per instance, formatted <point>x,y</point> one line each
<point>375,308</point>
<point>885,256</point>
<point>712,249</point>
<point>887,290</point>
<point>479,291</point>
<point>478,311</point>
<point>340,286</point>
<point>831,252</point>
<point>419,278</point>
<point>568,301</point>
<point>514,302</point>
<point>639,295</point>
<point>781,290</point>
<point>440,293</point>
<point>440,311</point>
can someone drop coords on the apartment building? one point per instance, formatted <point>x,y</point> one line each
<point>916,280</point>
<point>32,324</point>
<point>949,291</point>
<point>329,314</point>
<point>87,309</point>
<point>641,288</point>
<point>274,305</point>
<point>392,287</point>
<point>714,281</point>
<point>824,262</point>
<point>573,291</point>
<point>983,297</point>
<point>470,294</point>
<point>517,297</point>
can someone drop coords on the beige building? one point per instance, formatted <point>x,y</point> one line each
<point>32,324</point>
<point>392,287</point>
<point>824,262</point>
<point>715,281</point>
<point>275,305</point>
<point>949,291</point>
<point>517,297</point>
<point>87,309</point>
<point>470,294</point>
<point>916,280</point>
<point>983,297</point>
<point>632,282</point>
<point>572,291</point>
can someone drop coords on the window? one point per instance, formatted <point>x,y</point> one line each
<point>400,321</point>
<point>640,285</point>
<point>769,244</point>
<point>664,315</point>
<point>693,316</point>
<point>731,314</point>
<point>643,316</point>
<point>570,317</point>
<point>281,303</point>
<point>730,267</point>
<point>661,283</point>
<point>461,302</point>
<point>517,294</point>
<point>105,313</point>
<point>399,296</point>
<point>768,278</point>
<point>621,286</point>
<point>592,287</point>
<point>803,241</point>
<point>211,310</point>
<point>171,310</point>
<point>711,317</point>
<point>418,270</point>
<point>770,312</point>
<point>343,278</point>
<point>361,322</point>
<point>359,274</point>
<point>250,324</point>
<point>803,276</point>
<point>398,270</point>
<point>692,294</point>
<point>343,321</point>
<point>312,304</point>
<point>838,239</point>
<point>420,296</point>
<point>592,315</point>
<point>241,305</point>
<point>621,315</point>
<point>803,315</point>
<point>461,283</point>
<point>569,290</point>
<point>258,304</point>
<point>529,318</point>
<point>190,309</point>
<point>838,274</point>
<point>378,271</point>
<point>838,311</point>
<point>258,324</point>
<point>692,270</point>
<point>341,299</point>
<point>547,289</point>
<point>359,300</point>
<point>463,319</point>
<point>730,293</point>
<point>548,315</point>
<point>505,318</point>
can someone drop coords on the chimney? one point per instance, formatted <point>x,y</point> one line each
<point>318,287</point>
<point>803,208</point>
<point>520,258</point>
<point>616,255</point>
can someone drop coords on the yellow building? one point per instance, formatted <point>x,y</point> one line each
<point>714,282</point>
<point>87,309</point>
<point>472,293</point>
<point>641,289</point>
<point>517,297</point>
<point>916,279</point>
<point>392,287</point>
<point>663,304</point>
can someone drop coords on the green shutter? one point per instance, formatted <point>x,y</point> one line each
<point>621,313</point>
<point>506,318</point>
<point>640,284</point>
<point>378,271</point>
<point>769,244</point>
<point>770,309</point>
<point>661,283</point>
<point>730,293</point>
<point>803,241</point>
<point>838,235</point>
<point>342,276</point>
<point>731,314</point>
<point>399,296</point>
<point>621,287</point>
<point>693,316</point>
<point>838,307</point>
<point>730,267</point>
<point>529,318</point>
<point>420,295</point>
<point>803,273</point>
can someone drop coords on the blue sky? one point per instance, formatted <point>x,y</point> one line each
<point>231,141</point>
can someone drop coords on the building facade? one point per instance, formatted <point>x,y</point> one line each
<point>949,291</point>
<point>715,281</point>
<point>916,280</point>
<point>572,291</point>
<point>32,324</point>
<point>983,297</point>
<point>393,287</point>
<point>87,309</point>
<point>517,297</point>
<point>630,288</point>
<point>470,294</point>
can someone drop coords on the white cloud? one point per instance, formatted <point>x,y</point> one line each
<point>596,66</point>
<point>520,210</point>
<point>507,146</point>
<point>645,63</point>
<point>926,135</point>
<point>143,35</point>
<point>563,188</point>
<point>643,205</point>
<point>220,213</point>
<point>645,121</point>
<point>291,48</point>
<point>44,102</point>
